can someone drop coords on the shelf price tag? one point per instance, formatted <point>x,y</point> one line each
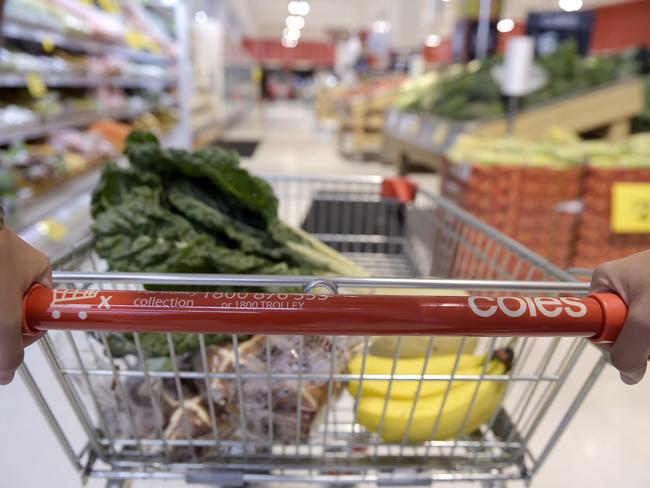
<point>47,44</point>
<point>109,6</point>
<point>52,228</point>
<point>36,85</point>
<point>630,208</point>
<point>135,40</point>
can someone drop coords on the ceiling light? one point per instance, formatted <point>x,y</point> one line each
<point>505,25</point>
<point>303,8</point>
<point>294,7</point>
<point>200,17</point>
<point>289,43</point>
<point>168,3</point>
<point>570,5</point>
<point>291,34</point>
<point>295,22</point>
<point>432,40</point>
<point>381,26</point>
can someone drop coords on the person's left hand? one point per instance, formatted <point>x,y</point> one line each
<point>20,267</point>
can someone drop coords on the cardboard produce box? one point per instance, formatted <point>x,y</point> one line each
<point>597,239</point>
<point>530,204</point>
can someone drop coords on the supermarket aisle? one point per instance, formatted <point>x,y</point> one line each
<point>606,428</point>
<point>291,143</point>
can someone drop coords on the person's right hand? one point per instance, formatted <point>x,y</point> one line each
<point>630,279</point>
<point>20,267</point>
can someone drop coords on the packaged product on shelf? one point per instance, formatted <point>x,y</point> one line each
<point>90,145</point>
<point>122,23</point>
<point>144,22</point>
<point>41,13</point>
<point>28,170</point>
<point>32,164</point>
<point>102,26</point>
<point>18,62</point>
<point>113,131</point>
<point>14,115</point>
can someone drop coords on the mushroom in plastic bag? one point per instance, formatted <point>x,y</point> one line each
<point>317,355</point>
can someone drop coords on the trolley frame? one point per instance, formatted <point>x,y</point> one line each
<point>428,236</point>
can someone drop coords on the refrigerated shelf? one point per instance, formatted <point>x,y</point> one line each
<point>21,32</point>
<point>15,80</point>
<point>10,134</point>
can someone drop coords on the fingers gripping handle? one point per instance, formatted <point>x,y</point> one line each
<point>598,317</point>
<point>29,306</point>
<point>614,315</point>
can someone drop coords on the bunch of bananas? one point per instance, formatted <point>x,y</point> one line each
<point>398,398</point>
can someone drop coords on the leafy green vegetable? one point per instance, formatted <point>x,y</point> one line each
<point>196,212</point>
<point>642,122</point>
<point>469,92</point>
<point>212,214</point>
<point>218,166</point>
<point>156,345</point>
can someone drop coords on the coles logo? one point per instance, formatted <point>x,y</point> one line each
<point>532,307</point>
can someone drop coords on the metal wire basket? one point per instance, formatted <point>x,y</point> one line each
<point>138,418</point>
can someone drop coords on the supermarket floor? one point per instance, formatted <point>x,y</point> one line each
<point>606,444</point>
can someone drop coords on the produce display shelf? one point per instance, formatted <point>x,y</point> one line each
<point>71,81</point>
<point>19,31</point>
<point>362,123</point>
<point>9,134</point>
<point>422,138</point>
<point>411,137</point>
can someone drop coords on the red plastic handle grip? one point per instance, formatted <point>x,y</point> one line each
<point>598,317</point>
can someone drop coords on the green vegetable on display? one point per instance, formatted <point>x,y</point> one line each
<point>469,92</point>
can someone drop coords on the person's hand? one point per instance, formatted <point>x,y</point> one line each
<point>630,279</point>
<point>20,266</point>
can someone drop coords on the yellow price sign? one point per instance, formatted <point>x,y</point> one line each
<point>52,228</point>
<point>135,40</point>
<point>36,85</point>
<point>630,208</point>
<point>109,6</point>
<point>47,44</point>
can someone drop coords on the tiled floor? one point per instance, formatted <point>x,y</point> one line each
<point>604,446</point>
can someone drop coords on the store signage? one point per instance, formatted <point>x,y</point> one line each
<point>630,212</point>
<point>36,85</point>
<point>517,306</point>
<point>550,29</point>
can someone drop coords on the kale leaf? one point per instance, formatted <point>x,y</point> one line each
<point>194,212</point>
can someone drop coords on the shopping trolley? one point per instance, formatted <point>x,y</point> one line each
<point>296,422</point>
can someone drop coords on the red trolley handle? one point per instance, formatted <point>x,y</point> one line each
<point>598,317</point>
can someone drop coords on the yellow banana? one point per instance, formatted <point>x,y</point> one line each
<point>406,389</point>
<point>416,346</point>
<point>427,409</point>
